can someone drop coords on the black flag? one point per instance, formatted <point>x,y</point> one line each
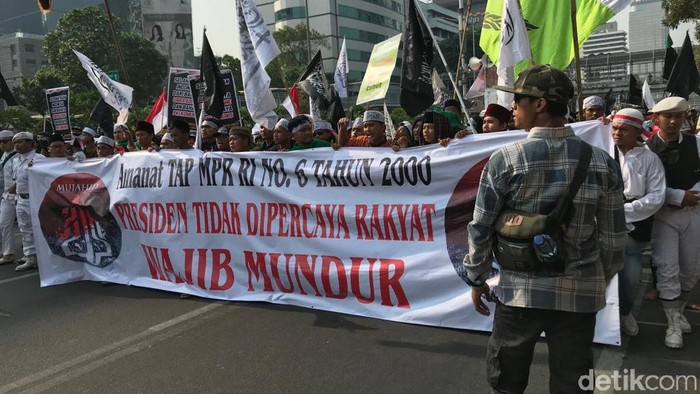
<point>214,91</point>
<point>102,115</point>
<point>416,65</point>
<point>5,93</point>
<point>315,84</point>
<point>671,57</point>
<point>609,102</point>
<point>635,95</point>
<point>684,78</point>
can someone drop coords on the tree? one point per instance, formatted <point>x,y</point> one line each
<point>233,64</point>
<point>30,94</point>
<point>679,11</point>
<point>18,118</point>
<point>294,54</point>
<point>450,48</point>
<point>87,30</point>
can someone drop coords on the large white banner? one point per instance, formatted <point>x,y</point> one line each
<point>368,232</point>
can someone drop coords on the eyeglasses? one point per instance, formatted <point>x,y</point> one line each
<point>518,97</point>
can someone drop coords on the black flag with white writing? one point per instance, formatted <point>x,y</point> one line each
<point>214,90</point>
<point>314,82</point>
<point>416,64</point>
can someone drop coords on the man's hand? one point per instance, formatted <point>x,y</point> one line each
<point>690,199</point>
<point>478,293</point>
<point>343,123</point>
<point>444,142</point>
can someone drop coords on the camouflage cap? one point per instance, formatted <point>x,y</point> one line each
<point>542,81</point>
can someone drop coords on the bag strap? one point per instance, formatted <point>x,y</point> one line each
<point>556,217</point>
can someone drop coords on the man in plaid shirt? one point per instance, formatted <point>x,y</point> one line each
<point>531,176</point>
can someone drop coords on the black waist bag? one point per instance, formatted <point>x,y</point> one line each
<point>513,246</point>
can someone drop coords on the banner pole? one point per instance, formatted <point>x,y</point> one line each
<point>574,28</point>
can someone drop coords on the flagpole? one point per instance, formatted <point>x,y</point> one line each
<point>579,87</point>
<point>444,62</point>
<point>116,42</point>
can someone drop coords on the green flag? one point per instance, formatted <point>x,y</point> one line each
<point>549,27</point>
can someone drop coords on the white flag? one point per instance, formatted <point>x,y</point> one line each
<point>341,72</point>
<point>478,88</point>
<point>116,94</point>
<point>258,49</point>
<point>648,97</point>
<point>390,129</point>
<point>440,91</point>
<point>515,47</point>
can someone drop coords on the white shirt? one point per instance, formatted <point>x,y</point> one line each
<point>4,183</point>
<point>20,169</point>
<point>675,196</point>
<point>645,181</point>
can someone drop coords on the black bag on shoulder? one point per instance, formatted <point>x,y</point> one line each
<point>513,245</point>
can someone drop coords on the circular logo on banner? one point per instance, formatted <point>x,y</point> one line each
<point>76,221</point>
<point>458,214</point>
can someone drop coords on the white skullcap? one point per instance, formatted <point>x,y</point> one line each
<point>120,126</point>
<point>322,125</point>
<point>283,123</point>
<point>592,102</point>
<point>104,140</point>
<point>23,135</point>
<point>90,131</point>
<point>6,134</point>
<point>373,116</point>
<point>357,122</point>
<point>629,116</point>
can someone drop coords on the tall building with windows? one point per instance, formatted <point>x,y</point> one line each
<point>442,21</point>
<point>21,55</point>
<point>607,39</point>
<point>363,23</point>
<point>646,30</point>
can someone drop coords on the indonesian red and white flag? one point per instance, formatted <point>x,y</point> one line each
<point>291,103</point>
<point>158,116</point>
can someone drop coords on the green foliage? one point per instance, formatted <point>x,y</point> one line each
<point>679,11</point>
<point>30,93</point>
<point>294,54</point>
<point>450,48</point>
<point>233,64</point>
<point>87,31</point>
<point>398,115</point>
<point>19,118</point>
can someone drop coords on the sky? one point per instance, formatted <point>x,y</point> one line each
<point>219,17</point>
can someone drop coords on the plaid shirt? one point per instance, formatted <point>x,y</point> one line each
<point>532,175</point>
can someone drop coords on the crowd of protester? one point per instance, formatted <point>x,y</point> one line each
<point>656,153</point>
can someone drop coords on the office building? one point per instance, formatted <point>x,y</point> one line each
<point>362,22</point>
<point>606,40</point>
<point>646,30</point>
<point>443,22</point>
<point>21,55</point>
